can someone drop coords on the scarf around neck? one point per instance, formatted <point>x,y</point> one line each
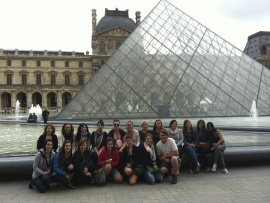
<point>151,150</point>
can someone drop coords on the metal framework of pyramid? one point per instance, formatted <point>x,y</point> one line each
<point>173,66</point>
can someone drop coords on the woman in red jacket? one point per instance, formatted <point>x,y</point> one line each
<point>109,157</point>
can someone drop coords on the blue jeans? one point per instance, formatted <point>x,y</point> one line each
<point>152,178</point>
<point>42,182</point>
<point>219,155</point>
<point>192,156</point>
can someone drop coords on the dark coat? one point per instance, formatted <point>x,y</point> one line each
<point>80,162</point>
<point>135,159</point>
<point>93,142</point>
<point>45,114</point>
<point>122,133</point>
<point>41,142</point>
<point>146,158</point>
<point>142,135</point>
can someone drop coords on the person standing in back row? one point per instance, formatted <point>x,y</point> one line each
<point>45,115</point>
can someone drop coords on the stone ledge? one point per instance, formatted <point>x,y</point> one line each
<point>23,165</point>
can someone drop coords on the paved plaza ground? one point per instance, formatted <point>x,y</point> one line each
<point>244,184</point>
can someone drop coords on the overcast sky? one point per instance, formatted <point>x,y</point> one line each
<point>66,24</point>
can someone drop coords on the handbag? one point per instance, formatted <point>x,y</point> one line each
<point>100,176</point>
<point>150,169</point>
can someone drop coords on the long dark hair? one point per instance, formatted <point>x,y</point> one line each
<point>211,125</point>
<point>155,125</point>
<point>185,128</point>
<point>62,157</point>
<point>71,132</point>
<point>210,132</point>
<point>109,139</point>
<point>78,135</point>
<point>203,127</point>
<point>172,121</point>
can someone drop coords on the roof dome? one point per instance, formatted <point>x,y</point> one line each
<point>115,18</point>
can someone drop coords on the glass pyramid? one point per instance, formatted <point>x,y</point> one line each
<point>173,66</point>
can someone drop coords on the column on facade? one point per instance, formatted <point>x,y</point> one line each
<point>29,100</point>
<point>59,100</point>
<point>13,101</point>
<point>44,100</point>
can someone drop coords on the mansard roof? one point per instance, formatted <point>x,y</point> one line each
<point>115,18</point>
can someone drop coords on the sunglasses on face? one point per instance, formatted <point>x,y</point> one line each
<point>116,124</point>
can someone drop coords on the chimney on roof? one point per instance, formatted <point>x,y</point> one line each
<point>138,17</point>
<point>94,21</point>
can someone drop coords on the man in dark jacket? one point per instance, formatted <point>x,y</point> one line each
<point>45,115</point>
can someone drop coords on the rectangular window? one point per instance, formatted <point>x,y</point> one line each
<point>23,62</point>
<point>9,79</point>
<point>80,64</point>
<point>38,78</point>
<point>52,63</point>
<point>80,79</point>
<point>24,79</point>
<point>8,62</point>
<point>67,80</point>
<point>38,63</point>
<point>52,79</point>
<point>66,64</point>
<point>102,47</point>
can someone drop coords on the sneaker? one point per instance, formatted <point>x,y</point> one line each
<point>174,179</point>
<point>31,185</point>
<point>214,168</point>
<point>226,171</point>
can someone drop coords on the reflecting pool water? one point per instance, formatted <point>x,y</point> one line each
<point>21,138</point>
<point>18,139</point>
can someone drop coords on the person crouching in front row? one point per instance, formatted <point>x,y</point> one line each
<point>83,163</point>
<point>42,167</point>
<point>63,169</point>
<point>167,152</point>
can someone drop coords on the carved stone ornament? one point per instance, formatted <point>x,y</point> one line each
<point>94,44</point>
<point>109,45</point>
<point>116,32</point>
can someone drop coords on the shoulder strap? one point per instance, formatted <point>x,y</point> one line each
<point>44,157</point>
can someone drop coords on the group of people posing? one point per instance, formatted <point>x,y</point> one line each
<point>72,159</point>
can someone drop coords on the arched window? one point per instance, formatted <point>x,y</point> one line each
<point>102,47</point>
<point>118,44</point>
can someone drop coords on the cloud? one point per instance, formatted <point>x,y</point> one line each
<point>245,10</point>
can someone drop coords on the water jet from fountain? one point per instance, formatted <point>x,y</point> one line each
<point>17,108</point>
<point>253,111</point>
<point>35,109</point>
